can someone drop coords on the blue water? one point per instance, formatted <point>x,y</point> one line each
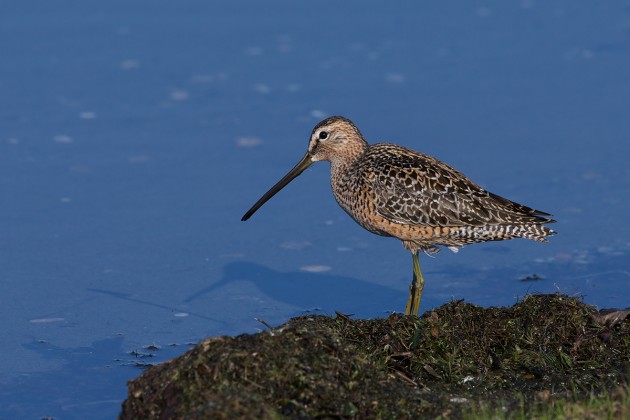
<point>134,135</point>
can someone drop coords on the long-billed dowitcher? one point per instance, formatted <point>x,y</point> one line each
<point>394,191</point>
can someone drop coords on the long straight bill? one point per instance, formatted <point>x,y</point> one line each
<point>304,163</point>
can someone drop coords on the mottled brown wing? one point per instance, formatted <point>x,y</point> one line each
<point>414,188</point>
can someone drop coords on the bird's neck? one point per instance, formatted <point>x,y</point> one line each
<point>343,177</point>
<point>351,153</point>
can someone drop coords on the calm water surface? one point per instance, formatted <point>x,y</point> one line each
<point>135,135</point>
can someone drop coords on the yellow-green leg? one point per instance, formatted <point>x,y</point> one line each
<point>415,290</point>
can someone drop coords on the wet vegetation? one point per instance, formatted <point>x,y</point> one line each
<point>546,354</point>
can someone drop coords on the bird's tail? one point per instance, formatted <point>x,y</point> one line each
<point>535,232</point>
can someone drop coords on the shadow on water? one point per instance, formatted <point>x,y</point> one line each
<point>308,291</point>
<point>598,275</point>
<point>131,298</point>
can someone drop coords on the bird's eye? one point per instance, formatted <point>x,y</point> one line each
<point>323,135</point>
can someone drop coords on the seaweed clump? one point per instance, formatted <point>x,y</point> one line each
<point>452,359</point>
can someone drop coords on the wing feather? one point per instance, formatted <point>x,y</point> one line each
<point>414,188</point>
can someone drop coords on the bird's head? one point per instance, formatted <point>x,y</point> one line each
<point>335,138</point>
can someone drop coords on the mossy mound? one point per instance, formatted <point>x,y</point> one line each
<point>451,359</point>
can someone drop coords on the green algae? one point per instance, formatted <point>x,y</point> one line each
<point>449,362</point>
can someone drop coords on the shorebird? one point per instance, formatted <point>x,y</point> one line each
<point>397,192</point>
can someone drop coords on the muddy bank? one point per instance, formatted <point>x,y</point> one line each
<point>544,348</point>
